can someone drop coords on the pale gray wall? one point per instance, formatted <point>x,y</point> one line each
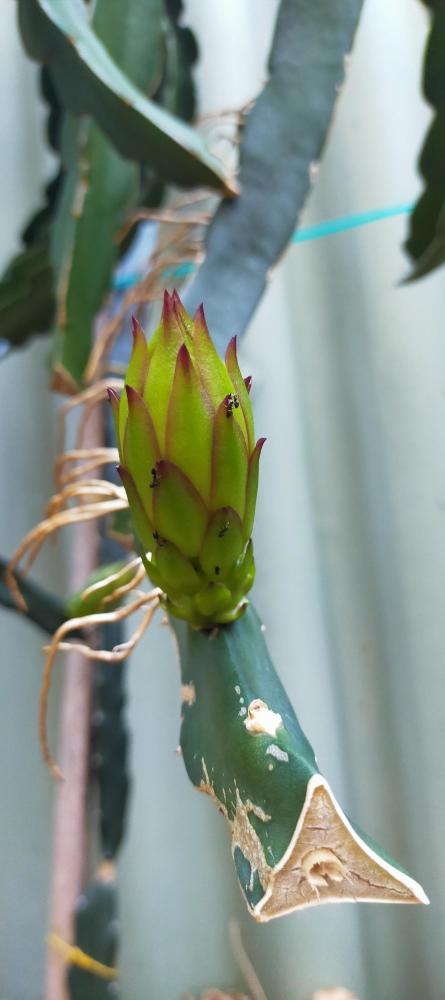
<point>350,540</point>
<point>26,458</point>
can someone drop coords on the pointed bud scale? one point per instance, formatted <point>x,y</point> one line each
<point>142,525</point>
<point>179,514</point>
<point>183,319</point>
<point>189,433</point>
<point>214,599</point>
<point>176,321</point>
<point>252,487</point>
<point>113,399</point>
<point>223,543</point>
<point>158,387</point>
<point>177,572</point>
<point>140,448</point>
<point>210,366</point>
<point>189,466</point>
<point>241,391</point>
<point>136,372</point>
<point>229,461</point>
<point>243,574</point>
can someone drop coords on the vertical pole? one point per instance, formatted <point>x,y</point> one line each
<point>70,840</point>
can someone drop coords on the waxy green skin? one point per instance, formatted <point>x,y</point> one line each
<point>189,465</point>
<point>264,777</point>
<point>227,673</point>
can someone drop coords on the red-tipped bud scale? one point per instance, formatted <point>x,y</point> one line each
<point>189,466</point>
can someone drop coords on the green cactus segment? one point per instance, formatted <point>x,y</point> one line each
<point>26,296</point>
<point>96,930</point>
<point>426,241</point>
<point>100,188</point>
<point>27,302</point>
<point>242,745</point>
<point>190,467</point>
<point>177,89</point>
<point>280,137</point>
<point>92,80</point>
<point>44,609</point>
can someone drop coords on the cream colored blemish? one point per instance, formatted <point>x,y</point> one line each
<point>328,862</point>
<point>277,752</point>
<point>79,197</point>
<point>106,871</point>
<point>243,710</point>
<point>314,168</point>
<point>261,719</point>
<point>243,833</point>
<point>188,694</point>
<point>237,689</point>
<point>321,866</point>
<point>334,993</point>
<point>246,838</point>
<point>206,786</point>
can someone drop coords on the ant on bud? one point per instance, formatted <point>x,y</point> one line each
<point>154,479</point>
<point>232,402</point>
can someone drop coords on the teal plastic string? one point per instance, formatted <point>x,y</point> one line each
<point>316,232</point>
<point>345,222</point>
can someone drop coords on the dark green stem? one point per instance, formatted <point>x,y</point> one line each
<point>44,609</point>
<point>281,140</point>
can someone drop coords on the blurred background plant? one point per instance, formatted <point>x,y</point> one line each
<point>347,361</point>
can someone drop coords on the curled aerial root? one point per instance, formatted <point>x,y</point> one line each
<point>85,491</point>
<point>94,508</point>
<point>90,458</point>
<point>150,601</point>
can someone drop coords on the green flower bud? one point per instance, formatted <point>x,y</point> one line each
<point>189,465</point>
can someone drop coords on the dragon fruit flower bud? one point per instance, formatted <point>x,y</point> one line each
<point>189,465</point>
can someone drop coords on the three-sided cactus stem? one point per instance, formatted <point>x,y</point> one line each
<point>242,745</point>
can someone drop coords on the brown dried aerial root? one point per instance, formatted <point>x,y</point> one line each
<point>95,498</point>
<point>92,499</point>
<point>89,398</point>
<point>181,240</point>
<point>149,602</point>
